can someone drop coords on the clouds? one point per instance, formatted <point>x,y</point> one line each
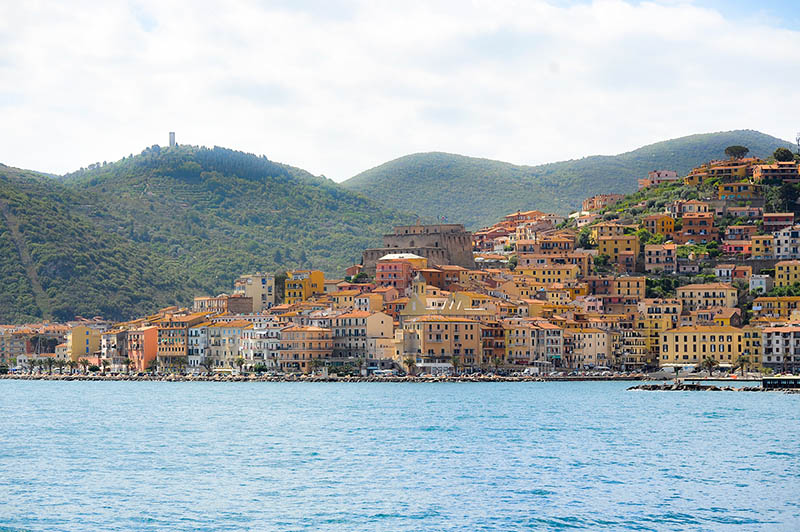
<point>338,87</point>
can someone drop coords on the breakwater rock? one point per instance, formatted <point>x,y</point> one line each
<point>692,387</point>
<point>308,378</point>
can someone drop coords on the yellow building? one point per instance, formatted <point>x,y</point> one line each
<point>651,326</point>
<point>761,246</point>
<point>438,341</point>
<point>602,229</point>
<point>752,346</point>
<point>696,296</point>
<point>738,191</point>
<point>659,224</point>
<point>787,272</point>
<point>82,342</point>
<point>690,345</point>
<point>344,298</point>
<point>622,250</point>
<point>591,348</point>
<point>775,307</point>
<point>301,285</point>
<point>553,273</point>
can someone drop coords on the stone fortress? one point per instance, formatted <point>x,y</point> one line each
<point>441,244</point>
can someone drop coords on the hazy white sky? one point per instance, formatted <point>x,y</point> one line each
<point>337,87</point>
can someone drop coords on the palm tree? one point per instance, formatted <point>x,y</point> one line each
<point>84,364</point>
<point>239,362</point>
<point>316,364</point>
<point>208,363</point>
<point>496,363</point>
<point>72,366</point>
<point>60,365</point>
<point>411,364</point>
<point>32,363</point>
<point>709,364</point>
<point>741,363</point>
<point>104,364</point>
<point>127,363</point>
<point>49,362</point>
<point>152,366</point>
<point>180,364</point>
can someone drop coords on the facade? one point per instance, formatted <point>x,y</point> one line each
<point>301,285</point>
<point>661,258</point>
<point>787,273</point>
<point>786,243</point>
<point>260,287</point>
<point>760,283</point>
<point>173,339</point>
<point>657,177</point>
<point>601,201</point>
<point>83,342</point>
<point>686,346</point>
<point>779,171</point>
<point>440,244</point>
<point>436,342</point>
<point>303,346</point>
<point>762,246</point>
<point>696,296</point>
<point>775,221</point>
<point>659,224</point>
<point>781,348</point>
<point>738,191</point>
<point>142,347</point>
<point>622,250</point>
<point>697,228</point>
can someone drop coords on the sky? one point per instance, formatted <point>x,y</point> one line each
<point>337,87</point>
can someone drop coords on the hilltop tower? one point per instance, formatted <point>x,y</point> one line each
<point>171,139</point>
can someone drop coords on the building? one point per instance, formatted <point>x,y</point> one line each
<point>173,339</point>
<point>353,332</point>
<point>83,342</point>
<point>695,296</point>
<point>440,244</point>
<point>301,285</point>
<point>303,346</point>
<point>659,224</point>
<point>787,272</point>
<point>552,274</point>
<point>740,232</point>
<point>172,142</point>
<point>786,244</point>
<point>657,177</point>
<point>760,283</point>
<point>591,348</point>
<point>198,352</point>
<point>258,286</point>
<point>224,344</point>
<point>775,307</point>
<point>779,171</point>
<point>142,347</point>
<point>697,228</point>
<point>632,286</point>
<point>775,221</point>
<point>437,342</point>
<point>689,346</point>
<point>622,250</point>
<point>781,348</point>
<point>762,246</point>
<point>660,258</point>
<point>738,191</point>
<point>601,201</point>
<point>397,270</point>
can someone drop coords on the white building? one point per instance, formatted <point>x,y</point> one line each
<point>198,347</point>
<point>781,348</point>
<point>787,243</point>
<point>761,283</point>
<point>259,286</point>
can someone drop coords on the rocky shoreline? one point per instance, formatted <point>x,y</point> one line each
<point>689,387</point>
<point>308,378</point>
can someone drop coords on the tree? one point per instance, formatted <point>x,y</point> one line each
<point>32,363</point>
<point>84,364</point>
<point>783,155</point>
<point>104,364</point>
<point>127,363</point>
<point>601,262</point>
<point>49,363</point>
<point>411,364</point>
<point>208,364</point>
<point>736,152</point>
<point>239,362</point>
<point>741,363</point>
<point>72,366</point>
<point>584,238</point>
<point>60,366</point>
<point>152,366</point>
<point>709,364</point>
<point>455,360</point>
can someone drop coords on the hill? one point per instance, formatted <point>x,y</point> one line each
<point>124,238</point>
<point>55,263</point>
<point>480,191</point>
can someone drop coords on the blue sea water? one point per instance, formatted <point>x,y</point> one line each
<point>394,457</point>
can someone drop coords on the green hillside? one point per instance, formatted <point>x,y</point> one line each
<point>121,239</point>
<point>478,192</point>
<point>56,263</point>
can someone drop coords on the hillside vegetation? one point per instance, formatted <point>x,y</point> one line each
<point>477,192</point>
<point>122,239</point>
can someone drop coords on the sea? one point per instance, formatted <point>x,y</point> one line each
<point>204,456</point>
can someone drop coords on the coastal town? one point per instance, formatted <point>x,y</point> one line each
<point>692,272</point>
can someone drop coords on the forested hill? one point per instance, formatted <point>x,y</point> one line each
<point>478,192</point>
<point>121,239</point>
